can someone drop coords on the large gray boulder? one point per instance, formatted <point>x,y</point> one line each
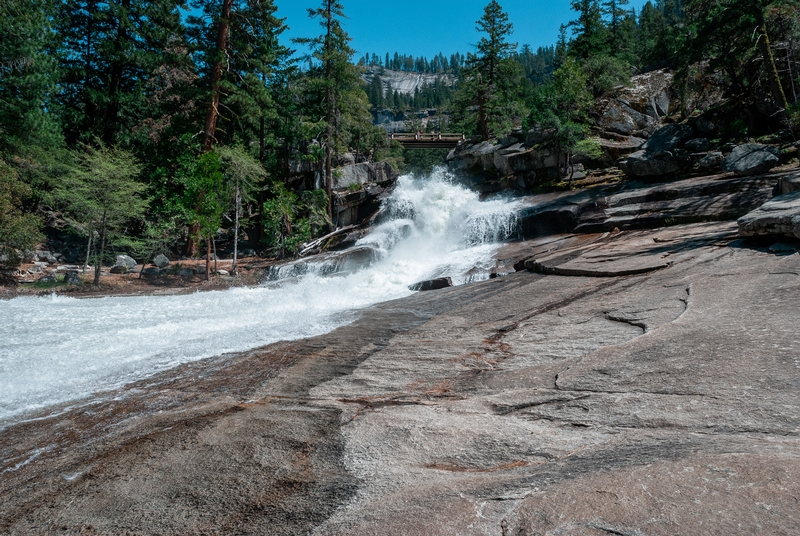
<point>73,277</point>
<point>364,173</point>
<point>669,137</point>
<point>620,118</point>
<point>652,164</point>
<point>788,184</point>
<point>711,160</point>
<point>432,284</point>
<point>779,216</point>
<point>161,260</point>
<point>751,159</point>
<point>127,262</point>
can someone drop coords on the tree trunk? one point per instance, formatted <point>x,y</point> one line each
<point>236,229</point>
<point>483,120</point>
<point>216,76</point>
<point>214,245</point>
<point>329,113</point>
<point>212,112</point>
<point>208,259</point>
<point>774,78</point>
<point>102,251</point>
<point>88,249</point>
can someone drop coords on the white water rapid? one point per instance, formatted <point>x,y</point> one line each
<point>58,349</point>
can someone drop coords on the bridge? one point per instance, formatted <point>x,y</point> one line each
<point>427,140</point>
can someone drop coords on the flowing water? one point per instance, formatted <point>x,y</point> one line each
<point>59,349</point>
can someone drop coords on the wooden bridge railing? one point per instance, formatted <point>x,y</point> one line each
<point>427,140</point>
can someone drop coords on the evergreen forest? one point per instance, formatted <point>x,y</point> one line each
<point>163,126</point>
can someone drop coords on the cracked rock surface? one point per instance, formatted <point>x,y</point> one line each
<point>655,403</point>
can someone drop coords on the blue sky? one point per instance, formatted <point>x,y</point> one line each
<point>427,27</point>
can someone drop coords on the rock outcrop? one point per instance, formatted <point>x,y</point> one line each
<point>359,191</point>
<point>659,403</point>
<point>751,159</point>
<point>636,205</point>
<point>779,216</point>
<point>660,155</point>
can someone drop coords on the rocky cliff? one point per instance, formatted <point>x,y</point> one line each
<point>406,82</point>
<point>640,135</point>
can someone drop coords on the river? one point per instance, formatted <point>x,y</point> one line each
<point>56,349</point>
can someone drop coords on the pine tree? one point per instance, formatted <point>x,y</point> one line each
<point>337,81</point>
<point>108,51</point>
<point>588,29</point>
<point>492,78</point>
<point>614,10</point>
<point>28,75</point>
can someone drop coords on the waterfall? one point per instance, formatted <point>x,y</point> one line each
<point>59,349</point>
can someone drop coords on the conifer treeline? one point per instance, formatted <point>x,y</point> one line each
<point>204,121</point>
<point>176,107</point>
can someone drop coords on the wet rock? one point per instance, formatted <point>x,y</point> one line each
<point>73,277</point>
<point>432,284</point>
<point>482,410</point>
<point>751,159</point>
<point>161,260</point>
<point>784,247</point>
<point>779,216</point>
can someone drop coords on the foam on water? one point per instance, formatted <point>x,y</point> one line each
<point>58,349</point>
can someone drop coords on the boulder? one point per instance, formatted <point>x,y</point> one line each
<point>705,127</point>
<point>711,160</point>
<point>661,103</point>
<point>46,256</point>
<point>151,271</point>
<point>652,163</point>
<point>73,277</point>
<point>364,173</point>
<point>125,261</point>
<point>186,272</point>
<point>788,184</point>
<point>697,145</point>
<point>161,260</point>
<point>47,279</point>
<point>432,284</point>
<point>669,137</point>
<point>779,216</point>
<point>119,269</point>
<point>618,148</point>
<point>35,270</point>
<point>751,159</point>
<point>619,117</point>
